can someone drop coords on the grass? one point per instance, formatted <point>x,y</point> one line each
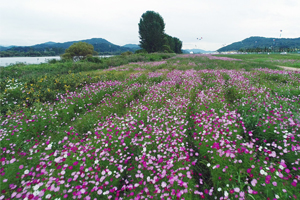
<point>288,60</point>
<point>185,127</point>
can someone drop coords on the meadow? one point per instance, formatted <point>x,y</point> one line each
<point>151,126</point>
<point>288,60</point>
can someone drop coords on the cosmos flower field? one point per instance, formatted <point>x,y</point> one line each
<point>160,134</point>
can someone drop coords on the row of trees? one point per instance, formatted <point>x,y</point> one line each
<point>30,52</point>
<point>153,37</point>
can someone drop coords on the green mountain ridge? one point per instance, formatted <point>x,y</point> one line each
<point>102,46</point>
<point>133,46</point>
<point>256,43</point>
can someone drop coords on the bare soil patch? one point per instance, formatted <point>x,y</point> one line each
<point>289,68</point>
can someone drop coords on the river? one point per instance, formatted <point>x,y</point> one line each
<point>5,61</point>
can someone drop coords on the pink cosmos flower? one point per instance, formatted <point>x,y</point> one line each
<point>253,182</point>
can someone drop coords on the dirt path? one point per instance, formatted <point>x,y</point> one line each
<point>289,68</point>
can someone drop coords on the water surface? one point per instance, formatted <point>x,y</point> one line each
<point>5,61</point>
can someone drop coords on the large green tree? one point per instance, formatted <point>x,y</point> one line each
<point>78,51</point>
<point>172,44</point>
<point>151,30</point>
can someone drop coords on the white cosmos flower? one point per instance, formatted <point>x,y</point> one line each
<point>281,167</point>
<point>226,194</point>
<point>106,192</point>
<point>36,187</point>
<point>36,192</point>
<point>262,172</point>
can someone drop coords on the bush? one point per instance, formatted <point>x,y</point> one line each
<point>127,53</point>
<point>94,59</point>
<point>52,61</point>
<point>78,51</point>
<point>141,51</point>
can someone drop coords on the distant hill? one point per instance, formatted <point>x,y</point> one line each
<point>49,43</point>
<point>3,48</point>
<point>132,46</point>
<point>263,44</point>
<point>101,46</point>
<point>196,51</point>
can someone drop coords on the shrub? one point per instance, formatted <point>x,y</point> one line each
<point>141,51</point>
<point>127,53</point>
<point>94,59</point>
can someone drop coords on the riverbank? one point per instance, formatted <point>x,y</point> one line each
<point>6,61</point>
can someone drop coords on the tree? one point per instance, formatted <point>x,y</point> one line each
<point>172,44</point>
<point>78,51</point>
<point>178,45</point>
<point>151,30</point>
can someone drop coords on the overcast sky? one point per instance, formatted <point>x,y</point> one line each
<point>218,22</point>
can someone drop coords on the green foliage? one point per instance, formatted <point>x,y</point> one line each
<point>78,51</point>
<point>127,53</point>
<point>153,38</point>
<point>31,51</point>
<point>94,60</point>
<point>269,61</point>
<point>173,43</point>
<point>52,61</point>
<point>151,30</point>
<point>167,49</point>
<point>23,85</point>
<point>141,51</point>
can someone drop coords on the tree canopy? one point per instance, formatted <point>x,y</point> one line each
<point>153,37</point>
<point>172,44</point>
<point>78,51</point>
<point>151,30</point>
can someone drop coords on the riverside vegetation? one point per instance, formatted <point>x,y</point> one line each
<point>150,126</point>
